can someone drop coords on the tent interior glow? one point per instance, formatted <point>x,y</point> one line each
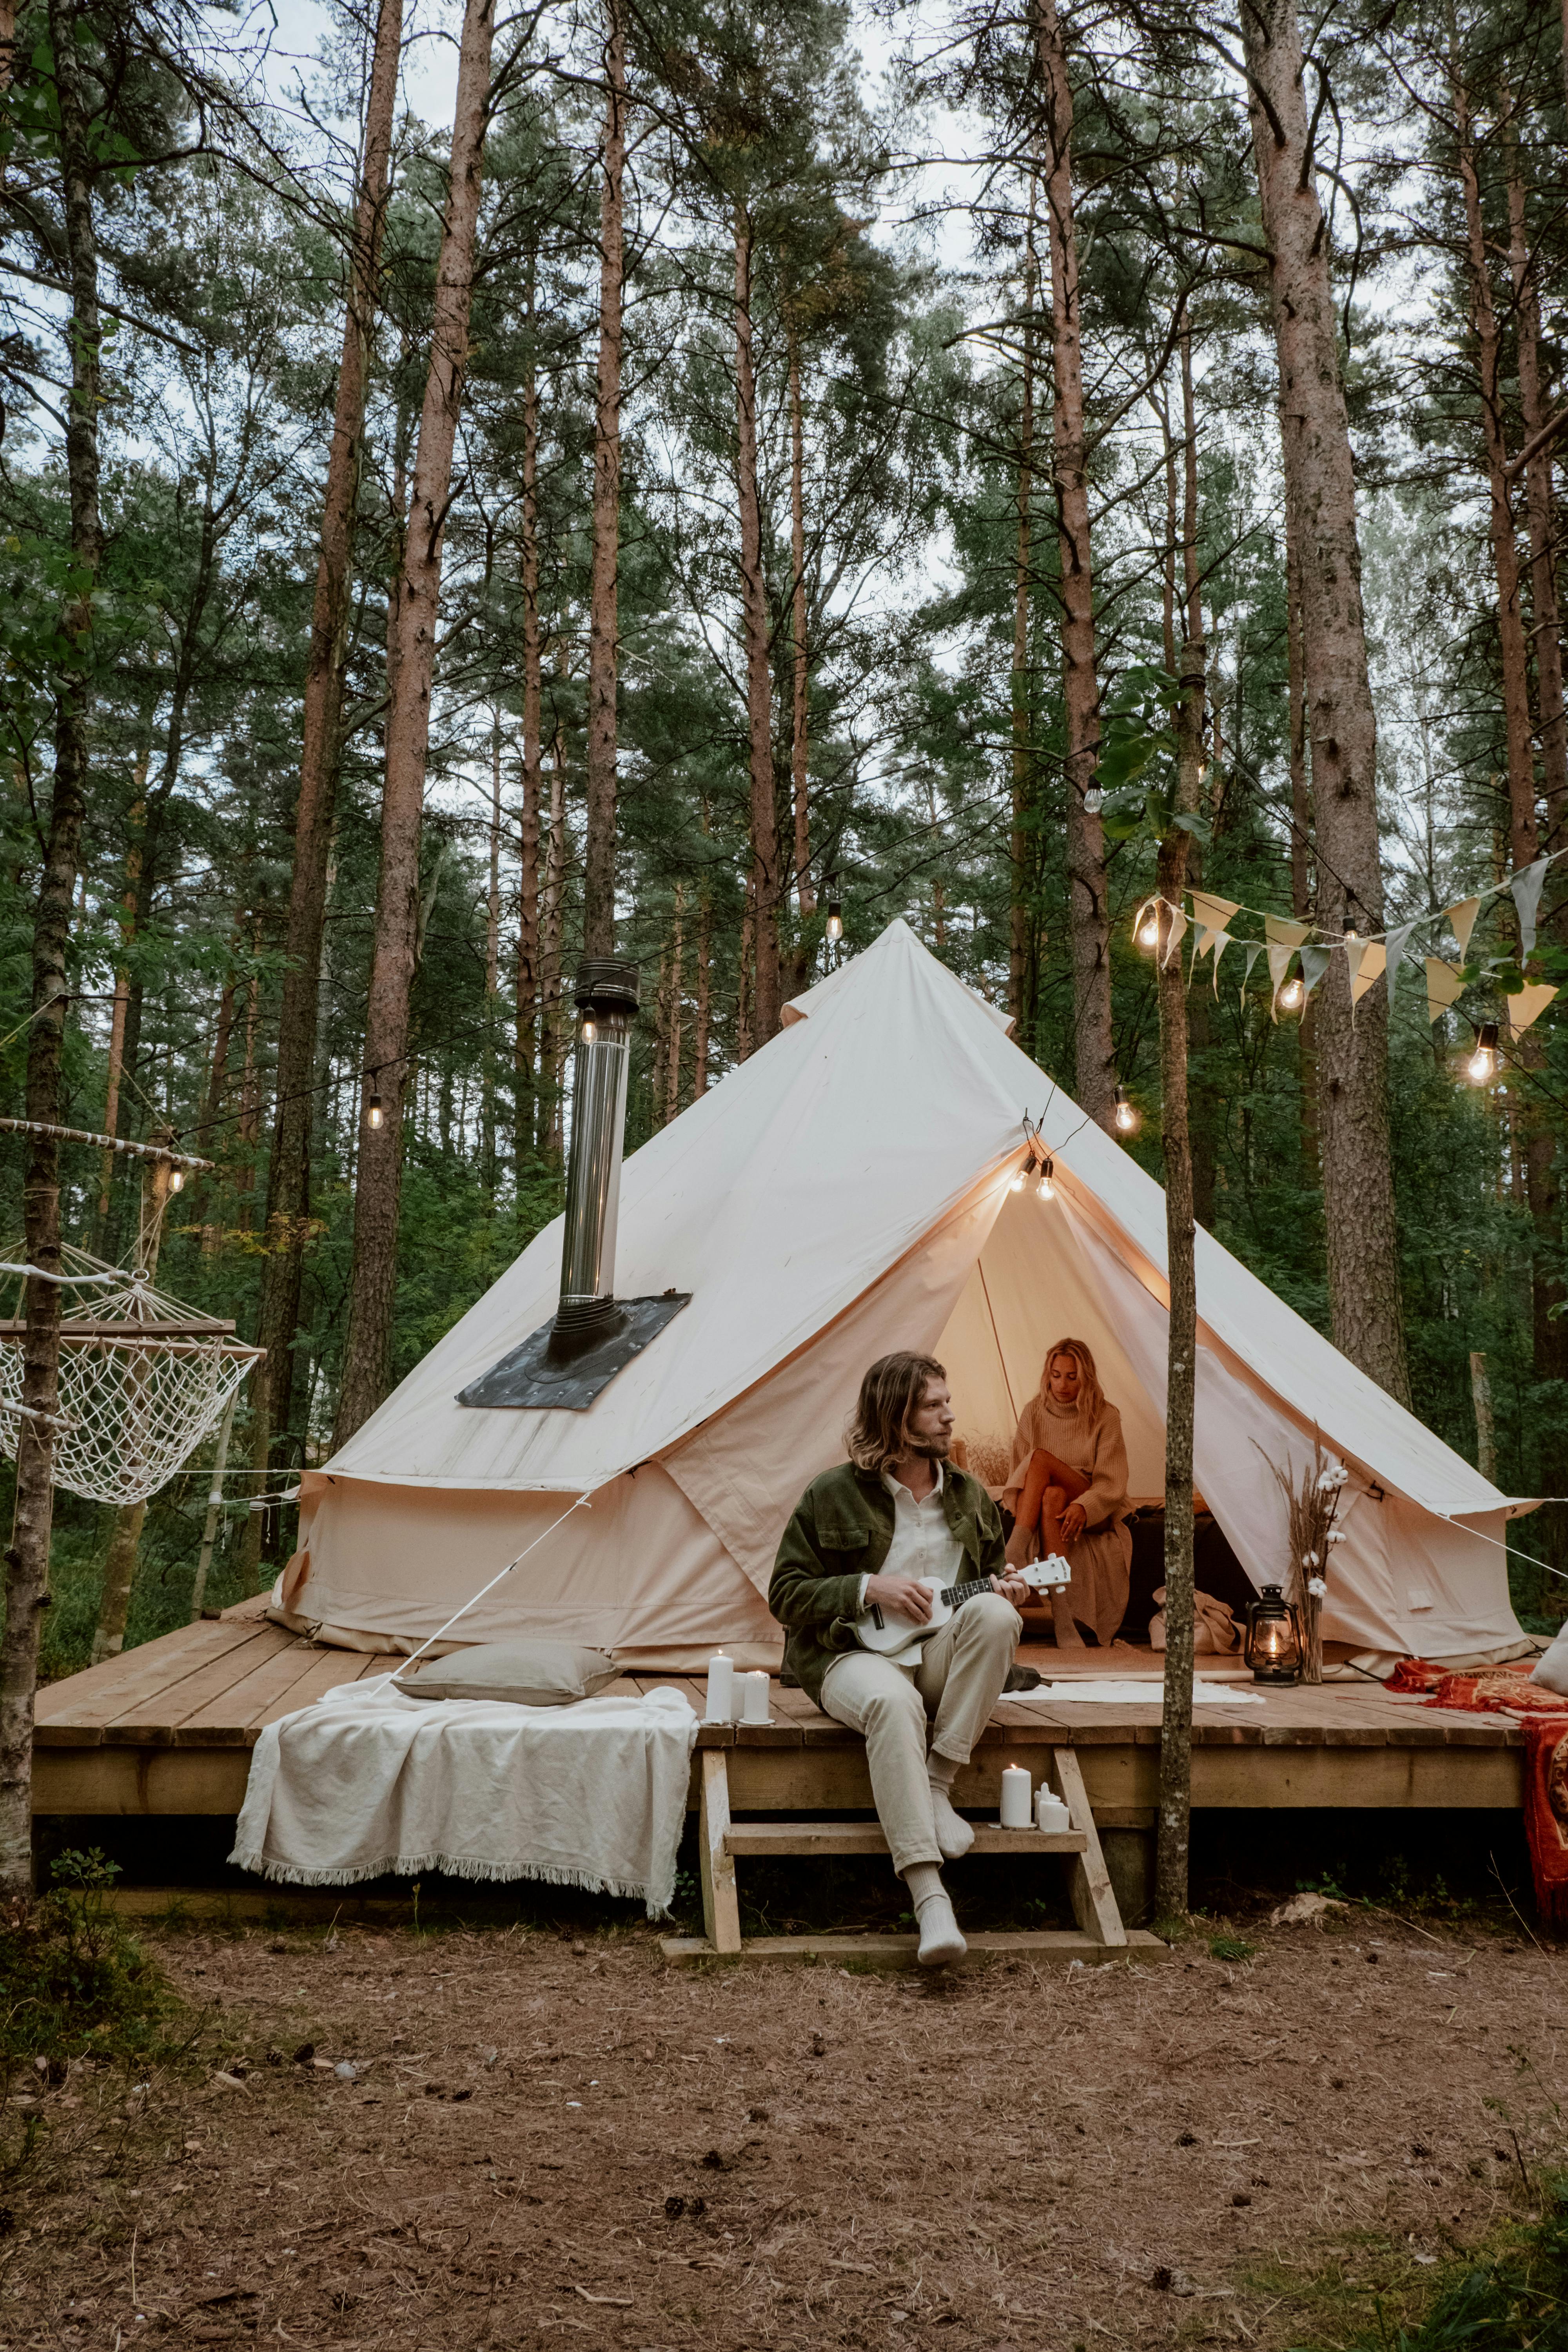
<point>851,1189</point>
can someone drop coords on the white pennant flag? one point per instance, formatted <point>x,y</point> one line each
<point>1394,948</point>
<point>1526,888</point>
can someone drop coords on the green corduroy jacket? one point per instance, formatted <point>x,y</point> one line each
<point>841,1530</point>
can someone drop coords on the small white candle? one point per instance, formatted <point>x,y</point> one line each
<point>1051,1813</point>
<point>721,1689</point>
<point>754,1698</point>
<point>1015,1790</point>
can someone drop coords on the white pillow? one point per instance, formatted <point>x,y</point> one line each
<point>1551,1666</point>
<point>526,1673</point>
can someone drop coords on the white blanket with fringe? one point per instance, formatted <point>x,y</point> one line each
<point>369,1780</point>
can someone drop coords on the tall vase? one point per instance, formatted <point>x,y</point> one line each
<point>1312,1639</point>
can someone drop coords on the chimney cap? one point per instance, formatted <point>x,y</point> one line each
<point>606,984</point>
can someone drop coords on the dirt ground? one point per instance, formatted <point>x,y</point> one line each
<point>549,2137</point>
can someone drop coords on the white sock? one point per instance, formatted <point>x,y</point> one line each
<point>955,1835</point>
<point>941,1941</point>
<point>923,1880</point>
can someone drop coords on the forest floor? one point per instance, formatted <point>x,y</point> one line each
<point>557,2136</point>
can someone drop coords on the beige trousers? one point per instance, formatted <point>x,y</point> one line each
<point>957,1683</point>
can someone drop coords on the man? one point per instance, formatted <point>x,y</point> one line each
<point>860,1536</point>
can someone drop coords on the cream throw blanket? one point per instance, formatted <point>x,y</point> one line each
<point>369,1780</point>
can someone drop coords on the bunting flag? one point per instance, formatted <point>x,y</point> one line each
<point>1366,970</point>
<point>1175,935</point>
<point>1278,965</point>
<point>1443,986</point>
<point>1220,940</point>
<point>1526,889</point>
<point>1461,921</point>
<point>1284,932</point>
<point>1526,1006</point>
<point>1394,948</point>
<point>1254,950</point>
<point>1314,965</point>
<point>1213,913</point>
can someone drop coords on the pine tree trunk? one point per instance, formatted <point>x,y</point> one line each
<point>800,710</point>
<point>599,853</point>
<point>1300,850</point>
<point>1174,1841</point>
<point>116,1070</point>
<point>1540,505</point>
<point>672,1065</point>
<point>767,998</point>
<point>288,1171</point>
<point>550,952</point>
<point>28,1554</point>
<point>1358,1178</point>
<point>374,1280</point>
<point>702,1009</point>
<point>1021,917</point>
<point>1202,1111</point>
<point>526,1047</point>
<point>1089,912</point>
<point>125,1541</point>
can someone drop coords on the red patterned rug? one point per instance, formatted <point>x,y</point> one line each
<point>1544,1720</point>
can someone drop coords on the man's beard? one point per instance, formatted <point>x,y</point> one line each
<point>933,1449</point>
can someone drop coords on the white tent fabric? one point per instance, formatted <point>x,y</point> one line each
<point>845,1191</point>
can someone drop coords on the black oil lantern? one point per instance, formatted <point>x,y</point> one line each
<point>1274,1647</point>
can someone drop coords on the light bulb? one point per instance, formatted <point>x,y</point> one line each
<point>589,1033</point>
<point>176,1179</point>
<point>1482,1063</point>
<point>1292,995</point>
<point>1351,930</point>
<point>1093,801</point>
<point>373,1111</point>
<point>1047,1187</point>
<point>1018,1183</point>
<point>1149,931</point>
<point>1125,1114</point>
<point>834,919</point>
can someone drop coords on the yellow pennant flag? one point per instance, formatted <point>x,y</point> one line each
<point>1461,921</point>
<point>1284,932</point>
<point>1213,913</point>
<point>1368,962</point>
<point>1443,986</point>
<point>1528,1006</point>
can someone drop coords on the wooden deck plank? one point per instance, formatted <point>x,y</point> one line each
<point>77,1709</point>
<point>153,1717</point>
<point>327,1670</point>
<point>292,1679</point>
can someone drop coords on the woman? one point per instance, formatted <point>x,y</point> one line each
<point>1067,1494</point>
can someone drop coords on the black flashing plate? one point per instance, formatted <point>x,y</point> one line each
<point>529,1376</point>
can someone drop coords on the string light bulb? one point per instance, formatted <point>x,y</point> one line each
<point>1018,1183</point>
<point>1292,996</point>
<point>1351,930</point>
<point>1482,1063</point>
<point>1125,1117</point>
<point>1149,928</point>
<point>1047,1187</point>
<point>589,1032</point>
<point>372,1112</point>
<point>176,1179</point>
<point>835,920</point>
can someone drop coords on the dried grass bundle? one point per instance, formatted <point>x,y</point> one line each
<point>1311,1504</point>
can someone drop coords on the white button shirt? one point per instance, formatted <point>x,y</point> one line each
<point>923,1544</point>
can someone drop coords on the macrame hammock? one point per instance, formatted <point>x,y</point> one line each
<point>143,1378</point>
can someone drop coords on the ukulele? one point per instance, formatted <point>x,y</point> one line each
<point>893,1635</point>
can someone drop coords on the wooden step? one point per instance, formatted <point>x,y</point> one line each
<point>791,1838</point>
<point>858,1953</point>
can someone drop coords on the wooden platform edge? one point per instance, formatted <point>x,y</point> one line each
<point>898,1952</point>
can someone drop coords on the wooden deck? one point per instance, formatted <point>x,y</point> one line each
<point>168,1729</point>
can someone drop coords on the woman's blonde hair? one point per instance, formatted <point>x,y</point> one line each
<point>889,1398</point>
<point>1090,1397</point>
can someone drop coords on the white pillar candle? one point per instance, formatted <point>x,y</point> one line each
<point>1051,1814</point>
<point>721,1689</point>
<point>1015,1787</point>
<point>754,1698</point>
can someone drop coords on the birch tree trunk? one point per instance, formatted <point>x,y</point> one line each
<point>294,1113</point>
<point>1358,1179</point>
<point>767,999</point>
<point>373,1279</point>
<point>599,854</point>
<point>1089,912</point>
<point>28,1554</point>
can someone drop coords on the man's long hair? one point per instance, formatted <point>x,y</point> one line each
<point>889,1399</point>
<point>1091,1396</point>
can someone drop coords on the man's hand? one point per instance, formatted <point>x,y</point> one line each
<point>1012,1589</point>
<point>899,1592</point>
<point>1072,1523</point>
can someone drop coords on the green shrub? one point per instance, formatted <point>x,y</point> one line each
<point>72,1982</point>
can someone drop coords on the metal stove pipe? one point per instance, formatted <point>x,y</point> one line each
<point>606,998</point>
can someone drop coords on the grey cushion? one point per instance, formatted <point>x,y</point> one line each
<point>1551,1666</point>
<point>527,1672</point>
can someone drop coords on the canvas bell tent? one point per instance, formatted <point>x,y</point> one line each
<point>846,1191</point>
